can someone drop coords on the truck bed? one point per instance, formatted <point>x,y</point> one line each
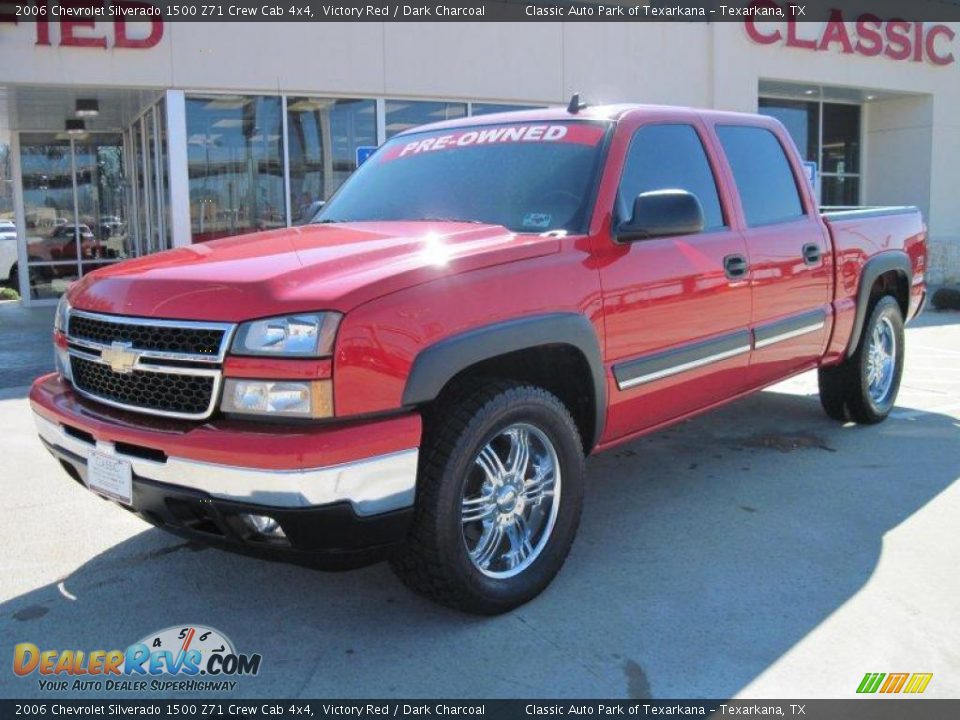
<point>875,234</point>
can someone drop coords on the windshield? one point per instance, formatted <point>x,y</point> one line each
<point>528,177</point>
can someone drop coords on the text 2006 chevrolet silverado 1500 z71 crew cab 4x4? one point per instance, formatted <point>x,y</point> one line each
<point>419,374</point>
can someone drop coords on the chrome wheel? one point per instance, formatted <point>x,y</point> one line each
<point>881,361</point>
<point>510,501</point>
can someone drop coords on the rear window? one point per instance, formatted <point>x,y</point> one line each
<point>765,181</point>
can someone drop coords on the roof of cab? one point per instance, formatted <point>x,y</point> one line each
<point>609,113</point>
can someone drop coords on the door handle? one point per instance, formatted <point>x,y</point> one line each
<point>735,266</point>
<point>811,254</point>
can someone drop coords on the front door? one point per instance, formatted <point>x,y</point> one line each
<point>677,309</point>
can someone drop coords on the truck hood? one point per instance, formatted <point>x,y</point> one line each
<point>314,267</point>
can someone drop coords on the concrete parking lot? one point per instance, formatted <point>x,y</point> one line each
<point>761,551</point>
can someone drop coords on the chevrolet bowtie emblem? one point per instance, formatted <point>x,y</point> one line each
<point>120,357</point>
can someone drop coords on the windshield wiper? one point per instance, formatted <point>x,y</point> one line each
<point>432,218</point>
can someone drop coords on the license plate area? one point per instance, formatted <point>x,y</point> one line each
<point>110,476</point>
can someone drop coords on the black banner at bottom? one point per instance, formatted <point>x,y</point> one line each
<point>873,708</point>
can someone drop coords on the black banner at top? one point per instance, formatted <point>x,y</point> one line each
<point>550,709</point>
<point>861,11</point>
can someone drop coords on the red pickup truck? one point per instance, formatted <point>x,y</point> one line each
<point>419,373</point>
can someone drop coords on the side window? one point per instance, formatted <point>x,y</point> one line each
<point>765,181</point>
<point>665,157</point>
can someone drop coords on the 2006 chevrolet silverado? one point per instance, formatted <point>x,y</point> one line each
<point>419,374</point>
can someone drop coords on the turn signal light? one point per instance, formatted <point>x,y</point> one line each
<point>278,398</point>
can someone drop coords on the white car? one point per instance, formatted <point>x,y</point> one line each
<point>8,252</point>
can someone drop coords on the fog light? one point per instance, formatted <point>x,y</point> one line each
<point>264,525</point>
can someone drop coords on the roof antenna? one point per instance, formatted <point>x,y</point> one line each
<point>575,105</point>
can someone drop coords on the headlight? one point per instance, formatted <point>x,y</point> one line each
<point>278,398</point>
<point>60,355</point>
<point>60,319</point>
<point>307,335</point>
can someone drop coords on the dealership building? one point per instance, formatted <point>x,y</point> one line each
<point>120,139</point>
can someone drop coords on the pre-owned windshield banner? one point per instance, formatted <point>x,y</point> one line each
<point>520,133</point>
<point>798,11</point>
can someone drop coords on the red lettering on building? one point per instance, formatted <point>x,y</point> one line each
<point>92,34</point>
<point>931,45</point>
<point>836,32</point>
<point>868,35</point>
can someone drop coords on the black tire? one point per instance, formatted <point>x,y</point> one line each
<point>845,389</point>
<point>435,560</point>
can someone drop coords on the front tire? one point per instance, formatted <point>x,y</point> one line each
<point>864,388</point>
<point>499,499</point>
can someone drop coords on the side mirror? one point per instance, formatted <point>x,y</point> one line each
<point>660,213</point>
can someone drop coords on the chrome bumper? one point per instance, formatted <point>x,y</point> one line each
<point>373,485</point>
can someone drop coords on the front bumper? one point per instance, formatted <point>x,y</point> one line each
<point>339,515</point>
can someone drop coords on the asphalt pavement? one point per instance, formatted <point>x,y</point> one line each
<point>759,551</point>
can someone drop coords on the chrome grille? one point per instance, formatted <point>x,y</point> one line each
<point>149,391</point>
<point>171,368</point>
<point>187,340</point>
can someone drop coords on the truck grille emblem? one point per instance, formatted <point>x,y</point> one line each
<point>120,357</point>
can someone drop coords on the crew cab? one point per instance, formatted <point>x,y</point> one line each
<point>419,373</point>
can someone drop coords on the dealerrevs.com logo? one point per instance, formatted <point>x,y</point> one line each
<point>890,683</point>
<point>180,658</point>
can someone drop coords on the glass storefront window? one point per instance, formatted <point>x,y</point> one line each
<point>235,165</point>
<point>164,214</point>
<point>51,230</point>
<point>490,108</point>
<point>837,190</point>
<point>404,114</point>
<point>74,199</point>
<point>8,228</point>
<point>829,135</point>
<point>6,179</point>
<point>324,135</point>
<point>841,138</point>
<point>49,282</point>
<point>100,199</point>
<point>148,192</point>
<point>140,182</point>
<point>150,164</point>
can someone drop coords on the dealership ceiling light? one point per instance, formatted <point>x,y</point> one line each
<point>310,104</point>
<point>75,127</point>
<point>87,107</point>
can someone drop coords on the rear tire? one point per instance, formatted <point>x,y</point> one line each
<point>864,387</point>
<point>494,521</point>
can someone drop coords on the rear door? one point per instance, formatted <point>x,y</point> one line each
<point>677,336</point>
<point>788,249</point>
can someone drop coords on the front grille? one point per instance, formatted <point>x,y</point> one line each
<point>159,338</point>
<point>148,390</point>
<point>160,367</point>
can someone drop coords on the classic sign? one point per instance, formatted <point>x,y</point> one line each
<point>868,35</point>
